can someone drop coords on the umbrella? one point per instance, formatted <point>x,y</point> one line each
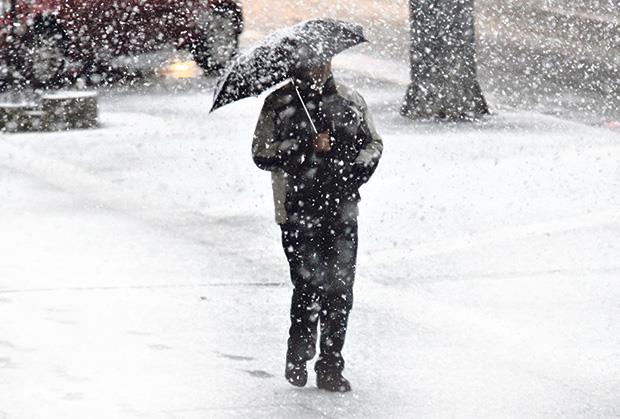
<point>275,58</point>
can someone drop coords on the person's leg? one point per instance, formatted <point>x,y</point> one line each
<point>298,248</point>
<point>337,301</point>
<point>304,322</point>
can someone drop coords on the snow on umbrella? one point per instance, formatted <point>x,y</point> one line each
<point>274,59</point>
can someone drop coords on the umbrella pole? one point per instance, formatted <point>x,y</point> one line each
<point>306,110</point>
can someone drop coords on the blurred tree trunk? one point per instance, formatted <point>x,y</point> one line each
<point>12,14</point>
<point>13,22</point>
<point>12,33</point>
<point>443,63</point>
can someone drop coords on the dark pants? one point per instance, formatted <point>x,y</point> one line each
<point>321,256</point>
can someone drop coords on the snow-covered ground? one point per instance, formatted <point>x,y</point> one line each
<point>141,273</point>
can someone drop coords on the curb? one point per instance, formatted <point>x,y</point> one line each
<point>56,111</point>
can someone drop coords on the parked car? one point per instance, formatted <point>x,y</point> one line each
<point>42,40</point>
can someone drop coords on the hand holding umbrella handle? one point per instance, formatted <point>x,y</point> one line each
<point>322,143</point>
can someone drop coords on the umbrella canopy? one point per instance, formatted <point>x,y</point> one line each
<point>276,57</point>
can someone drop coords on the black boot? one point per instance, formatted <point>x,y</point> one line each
<point>296,373</point>
<point>332,381</point>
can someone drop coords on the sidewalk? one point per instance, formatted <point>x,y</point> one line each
<point>142,273</point>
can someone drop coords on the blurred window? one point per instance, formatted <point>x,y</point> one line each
<point>5,6</point>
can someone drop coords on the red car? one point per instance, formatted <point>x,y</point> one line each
<point>41,40</point>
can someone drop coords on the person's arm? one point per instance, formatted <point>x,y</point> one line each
<point>357,172</point>
<point>368,158</point>
<point>268,151</point>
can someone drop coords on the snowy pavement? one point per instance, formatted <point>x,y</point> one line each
<point>141,273</point>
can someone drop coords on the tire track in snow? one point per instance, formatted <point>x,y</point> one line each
<point>499,235</point>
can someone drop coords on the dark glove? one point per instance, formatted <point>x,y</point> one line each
<point>292,155</point>
<point>350,178</point>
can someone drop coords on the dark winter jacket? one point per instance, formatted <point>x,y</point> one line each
<point>305,183</point>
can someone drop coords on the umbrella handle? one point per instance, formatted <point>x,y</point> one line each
<point>306,110</point>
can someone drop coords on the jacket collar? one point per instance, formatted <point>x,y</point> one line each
<point>306,88</point>
<point>329,88</point>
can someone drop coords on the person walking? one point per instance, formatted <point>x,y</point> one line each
<point>316,137</point>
